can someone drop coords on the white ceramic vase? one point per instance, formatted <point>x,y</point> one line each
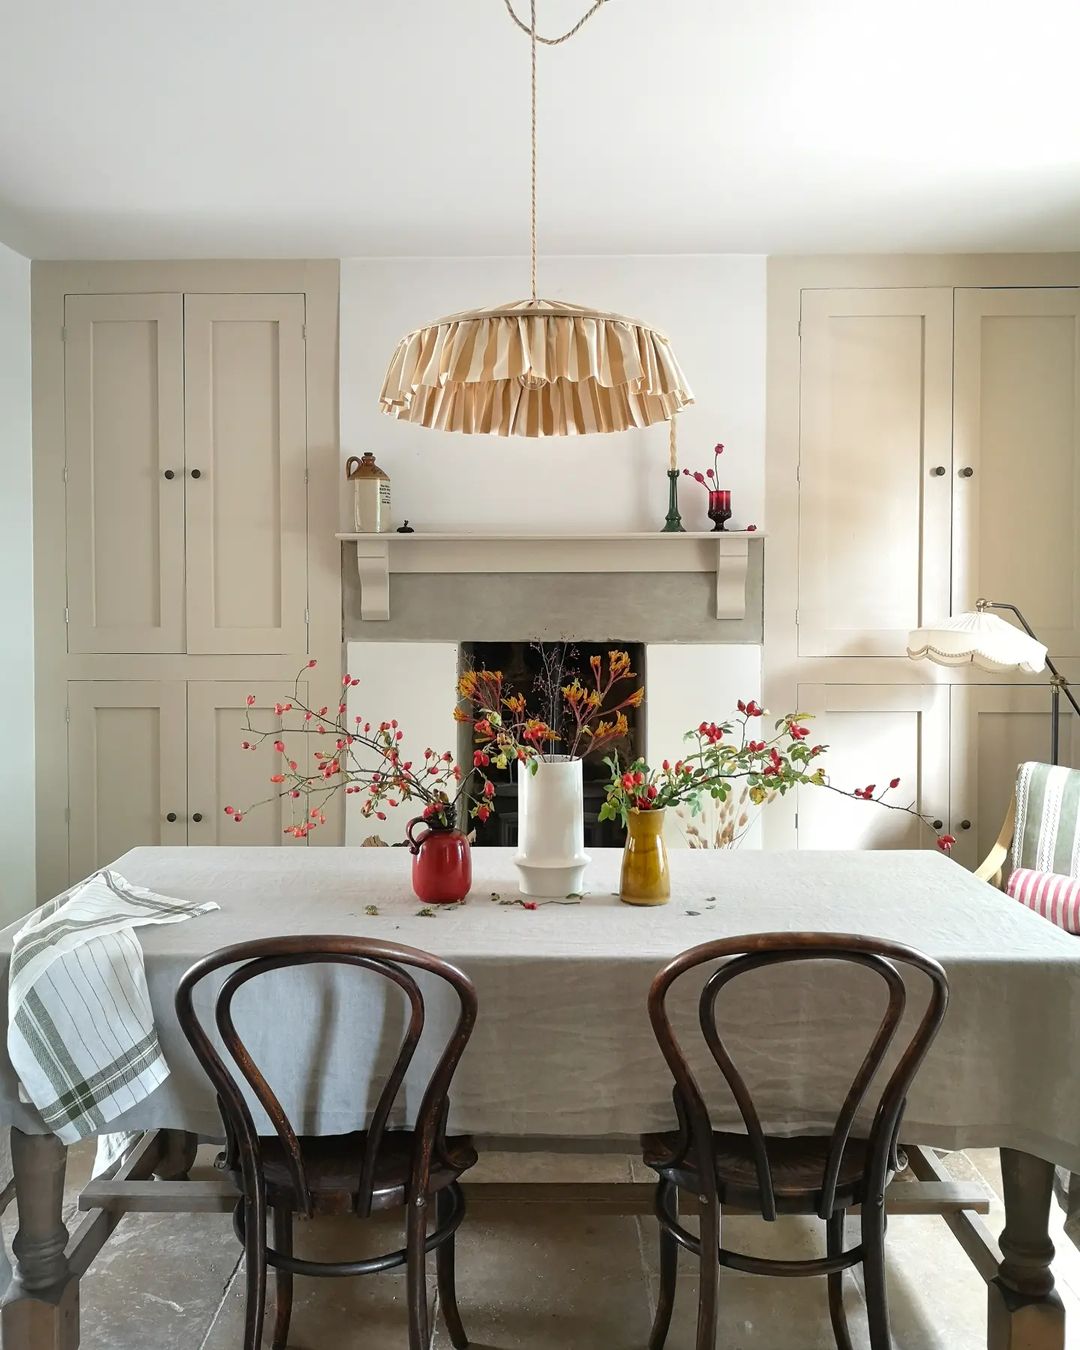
<point>551,853</point>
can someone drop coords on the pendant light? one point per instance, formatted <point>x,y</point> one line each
<point>535,367</point>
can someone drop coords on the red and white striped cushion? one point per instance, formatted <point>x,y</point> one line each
<point>1055,897</point>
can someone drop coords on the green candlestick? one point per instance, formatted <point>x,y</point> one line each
<point>673,521</point>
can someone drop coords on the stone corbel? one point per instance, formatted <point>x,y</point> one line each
<point>373,567</point>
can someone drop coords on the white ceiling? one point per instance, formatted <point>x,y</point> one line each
<point>172,128</point>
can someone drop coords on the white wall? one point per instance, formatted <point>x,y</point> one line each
<point>17,889</point>
<point>712,307</point>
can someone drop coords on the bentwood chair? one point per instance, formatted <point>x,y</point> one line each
<point>812,1175</point>
<point>359,1173</point>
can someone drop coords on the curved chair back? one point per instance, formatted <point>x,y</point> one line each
<point>742,954</point>
<point>388,960</point>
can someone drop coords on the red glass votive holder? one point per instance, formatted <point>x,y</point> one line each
<point>719,507</point>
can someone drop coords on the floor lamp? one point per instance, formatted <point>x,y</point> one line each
<point>981,639</point>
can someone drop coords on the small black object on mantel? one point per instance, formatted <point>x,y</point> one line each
<point>405,529</point>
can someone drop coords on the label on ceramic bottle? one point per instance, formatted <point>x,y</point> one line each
<point>372,505</point>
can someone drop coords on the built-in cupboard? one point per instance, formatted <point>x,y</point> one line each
<point>927,454</point>
<point>186,456</point>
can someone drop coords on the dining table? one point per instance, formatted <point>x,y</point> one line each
<point>563,1055</point>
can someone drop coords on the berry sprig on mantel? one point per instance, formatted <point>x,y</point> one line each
<point>710,479</point>
<point>361,757</point>
<point>721,754</point>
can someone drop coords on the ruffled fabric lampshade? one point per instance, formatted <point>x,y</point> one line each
<point>978,638</point>
<point>534,368</point>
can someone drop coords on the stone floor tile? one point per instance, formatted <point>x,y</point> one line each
<point>533,1167</point>
<point>761,1313</point>
<point>937,1297</point>
<point>158,1281</point>
<point>366,1312</point>
<point>549,1280</point>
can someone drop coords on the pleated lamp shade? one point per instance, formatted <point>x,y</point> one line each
<point>978,638</point>
<point>534,368</point>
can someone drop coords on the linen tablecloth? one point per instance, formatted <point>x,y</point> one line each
<point>563,1046</point>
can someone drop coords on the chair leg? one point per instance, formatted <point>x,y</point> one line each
<point>416,1276</point>
<point>835,1238</point>
<point>255,1272</point>
<point>283,1280</point>
<point>877,1297</point>
<point>444,1269</point>
<point>709,1282</point>
<point>669,1257</point>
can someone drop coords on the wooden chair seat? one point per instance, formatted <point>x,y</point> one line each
<point>797,1166</point>
<point>333,1165</point>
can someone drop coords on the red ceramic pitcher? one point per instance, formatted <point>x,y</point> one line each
<point>441,864</point>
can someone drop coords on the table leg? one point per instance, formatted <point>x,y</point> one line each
<point>41,1308</point>
<point>1024,1311</point>
<point>179,1156</point>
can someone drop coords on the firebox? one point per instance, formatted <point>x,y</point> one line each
<point>540,670</point>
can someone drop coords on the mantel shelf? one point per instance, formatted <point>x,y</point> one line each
<point>724,552</point>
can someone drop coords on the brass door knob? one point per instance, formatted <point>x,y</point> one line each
<point>966,471</point>
<point>938,471</point>
<point>196,817</point>
<point>171,817</point>
<point>965,824</point>
<point>196,473</point>
<point>169,473</point>
<point>938,824</point>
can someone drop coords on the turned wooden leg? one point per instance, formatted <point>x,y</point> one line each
<point>41,1309</point>
<point>1024,1311</point>
<point>179,1156</point>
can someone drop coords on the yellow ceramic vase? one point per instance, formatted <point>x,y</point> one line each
<point>645,877</point>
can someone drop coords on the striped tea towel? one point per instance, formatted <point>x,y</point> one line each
<point>81,1033</point>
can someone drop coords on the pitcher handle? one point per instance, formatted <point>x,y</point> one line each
<point>414,844</point>
<point>353,459</point>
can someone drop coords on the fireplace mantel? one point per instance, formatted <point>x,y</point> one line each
<point>723,553</point>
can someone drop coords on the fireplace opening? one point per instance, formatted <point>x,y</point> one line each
<point>539,670</point>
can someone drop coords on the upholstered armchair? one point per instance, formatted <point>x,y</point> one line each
<point>1036,859</point>
<point>1040,836</point>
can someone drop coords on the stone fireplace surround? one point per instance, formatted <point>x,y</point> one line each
<point>696,665</point>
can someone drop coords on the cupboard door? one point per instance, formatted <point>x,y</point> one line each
<point>995,728</point>
<point>126,769</point>
<point>221,773</point>
<point>246,433</point>
<point>874,459</point>
<point>124,429</point>
<point>876,733</point>
<point>1017,514</point>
